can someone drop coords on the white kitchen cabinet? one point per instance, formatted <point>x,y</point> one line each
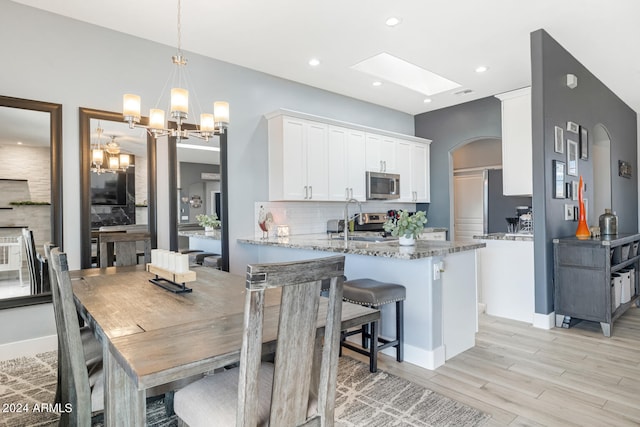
<point>380,153</point>
<point>298,159</point>
<point>412,162</point>
<point>517,160</point>
<point>347,164</point>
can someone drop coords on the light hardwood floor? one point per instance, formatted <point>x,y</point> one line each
<point>524,376</point>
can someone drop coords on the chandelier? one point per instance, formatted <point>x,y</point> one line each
<point>108,155</point>
<point>210,124</point>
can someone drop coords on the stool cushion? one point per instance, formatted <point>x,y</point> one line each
<point>198,257</point>
<point>214,261</point>
<point>373,293</point>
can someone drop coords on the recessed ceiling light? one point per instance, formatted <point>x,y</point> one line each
<point>314,62</point>
<point>377,83</point>
<point>393,21</point>
<point>19,142</point>
<point>427,100</point>
<point>481,69</point>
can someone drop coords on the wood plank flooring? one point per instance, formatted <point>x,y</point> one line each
<point>524,376</point>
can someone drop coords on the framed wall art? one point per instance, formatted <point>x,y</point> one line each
<point>558,180</point>
<point>573,127</point>
<point>584,143</point>
<point>559,140</point>
<point>572,157</point>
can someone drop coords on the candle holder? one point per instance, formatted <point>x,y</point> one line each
<point>170,280</point>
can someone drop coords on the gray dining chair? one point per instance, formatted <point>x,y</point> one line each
<point>122,248</point>
<point>90,345</point>
<point>81,387</point>
<point>299,387</point>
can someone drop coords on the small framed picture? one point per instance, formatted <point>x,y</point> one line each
<point>573,127</point>
<point>574,190</point>
<point>572,157</point>
<point>584,143</point>
<point>559,140</point>
<point>558,179</point>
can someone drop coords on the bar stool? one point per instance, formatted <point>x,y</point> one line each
<point>372,293</point>
<point>214,261</point>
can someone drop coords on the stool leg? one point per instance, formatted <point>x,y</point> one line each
<point>373,350</point>
<point>365,334</point>
<point>399,330</point>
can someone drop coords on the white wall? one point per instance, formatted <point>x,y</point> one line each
<point>59,60</point>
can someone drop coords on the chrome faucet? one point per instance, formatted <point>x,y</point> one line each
<point>346,218</point>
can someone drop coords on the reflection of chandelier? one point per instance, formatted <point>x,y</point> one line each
<point>210,124</point>
<point>108,155</point>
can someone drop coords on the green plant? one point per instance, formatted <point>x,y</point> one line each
<point>208,220</point>
<point>406,225</point>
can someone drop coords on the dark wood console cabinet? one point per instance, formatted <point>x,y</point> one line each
<point>582,277</point>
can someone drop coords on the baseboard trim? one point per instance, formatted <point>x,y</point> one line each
<point>544,321</point>
<point>428,359</point>
<point>28,347</point>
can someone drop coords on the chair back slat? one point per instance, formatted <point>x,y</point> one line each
<point>71,342</point>
<point>297,354</point>
<point>124,246</point>
<point>32,261</point>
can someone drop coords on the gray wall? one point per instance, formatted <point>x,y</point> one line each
<point>500,206</point>
<point>450,128</point>
<point>589,104</point>
<point>76,64</point>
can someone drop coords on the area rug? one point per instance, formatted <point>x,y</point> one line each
<point>27,387</point>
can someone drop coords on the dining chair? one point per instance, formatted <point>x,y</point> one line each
<point>121,248</point>
<point>299,387</point>
<point>90,345</point>
<point>37,265</point>
<point>82,388</point>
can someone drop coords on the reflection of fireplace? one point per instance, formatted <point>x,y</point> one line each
<point>115,214</point>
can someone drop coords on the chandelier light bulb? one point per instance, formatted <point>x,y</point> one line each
<point>97,156</point>
<point>206,123</point>
<point>179,100</point>
<point>113,163</point>
<point>156,118</point>
<point>124,161</point>
<point>221,113</point>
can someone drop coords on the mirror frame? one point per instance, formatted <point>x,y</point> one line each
<point>86,114</point>
<point>55,129</point>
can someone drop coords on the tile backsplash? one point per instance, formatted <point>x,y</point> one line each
<point>311,217</point>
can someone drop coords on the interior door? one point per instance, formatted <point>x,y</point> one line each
<point>469,205</point>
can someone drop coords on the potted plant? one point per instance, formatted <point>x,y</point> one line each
<point>209,222</point>
<point>406,227</point>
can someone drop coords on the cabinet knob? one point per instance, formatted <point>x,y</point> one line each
<point>306,192</point>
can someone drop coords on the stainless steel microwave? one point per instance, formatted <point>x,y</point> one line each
<point>383,186</point>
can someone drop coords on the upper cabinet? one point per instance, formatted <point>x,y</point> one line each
<point>517,157</point>
<point>347,163</point>
<point>298,159</point>
<point>318,159</point>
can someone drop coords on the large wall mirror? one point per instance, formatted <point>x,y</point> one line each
<point>118,197</point>
<point>118,189</point>
<point>30,194</point>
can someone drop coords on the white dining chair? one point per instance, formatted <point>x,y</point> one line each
<point>299,387</point>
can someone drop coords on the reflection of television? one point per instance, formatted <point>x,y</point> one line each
<point>109,188</point>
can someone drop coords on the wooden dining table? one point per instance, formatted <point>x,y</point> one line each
<point>152,337</point>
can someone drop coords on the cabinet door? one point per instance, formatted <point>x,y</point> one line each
<point>373,155</point>
<point>294,160</point>
<point>420,172</point>
<point>356,165</point>
<point>403,166</point>
<point>338,162</point>
<point>317,161</point>
<point>517,160</point>
<point>388,150</point>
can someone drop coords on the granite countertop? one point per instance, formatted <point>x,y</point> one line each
<point>520,237</point>
<point>384,248</point>
<point>201,234</point>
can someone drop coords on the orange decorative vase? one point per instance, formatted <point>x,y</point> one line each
<point>582,232</point>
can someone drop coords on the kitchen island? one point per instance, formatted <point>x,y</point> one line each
<point>440,312</point>
<point>208,241</point>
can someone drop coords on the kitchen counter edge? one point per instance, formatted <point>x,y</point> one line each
<point>320,242</point>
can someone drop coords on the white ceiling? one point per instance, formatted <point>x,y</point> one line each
<point>448,37</point>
